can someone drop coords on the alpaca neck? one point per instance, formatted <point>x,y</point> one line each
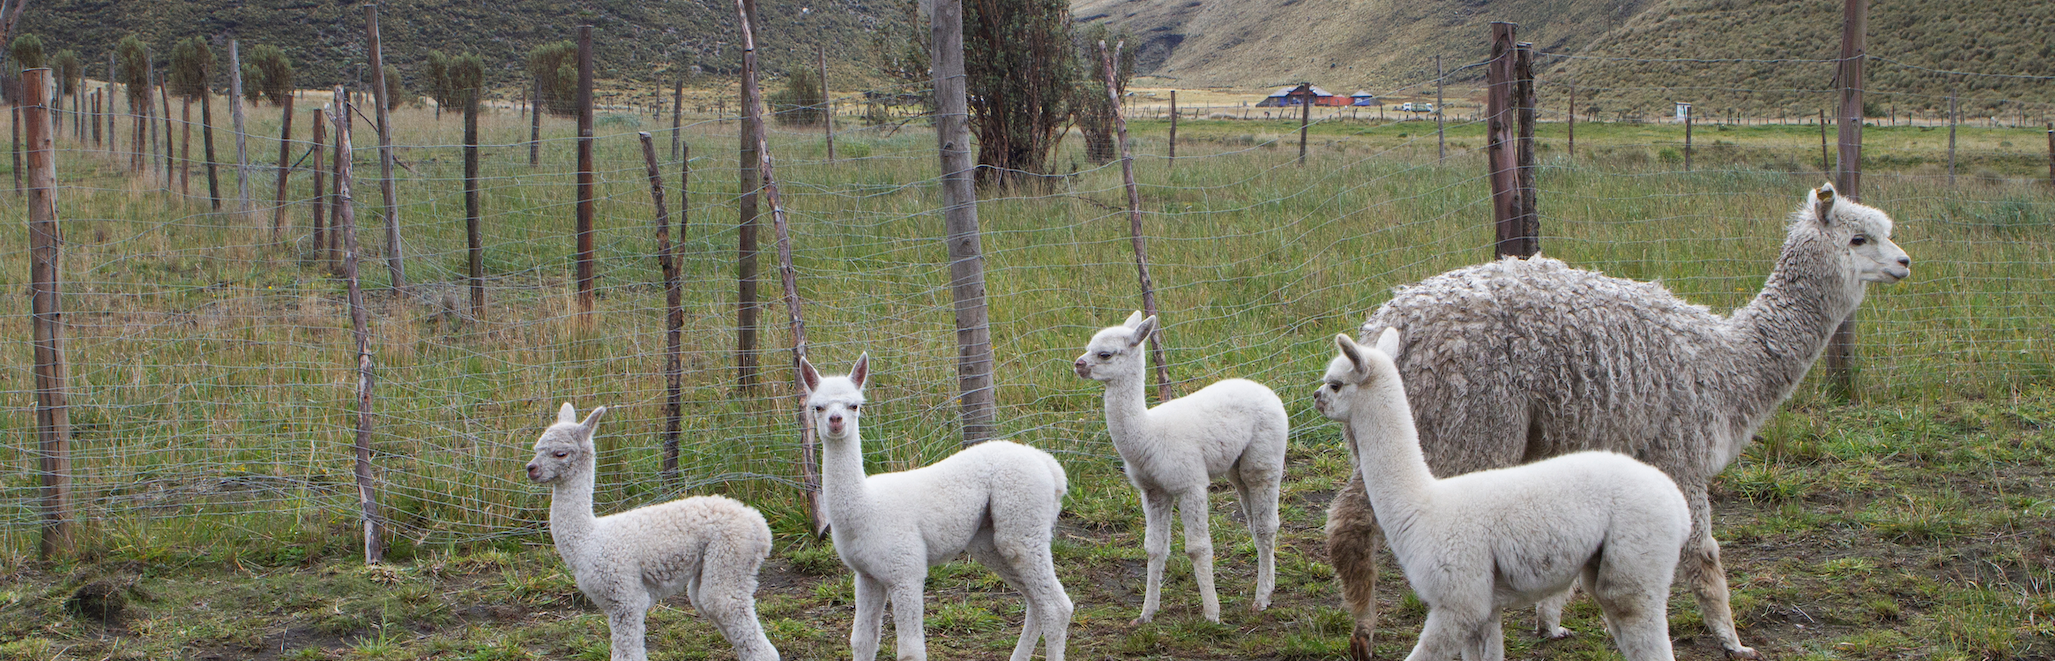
<point>844,489</point>
<point>1395,473</point>
<point>570,512</point>
<point>1127,408</point>
<point>1806,297</point>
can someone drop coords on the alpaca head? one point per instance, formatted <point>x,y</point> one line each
<point>565,448</point>
<point>1356,368</point>
<point>1857,234</point>
<point>835,401</point>
<point>1116,351</point>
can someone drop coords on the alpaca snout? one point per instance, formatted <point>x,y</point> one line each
<point>534,473</point>
<point>836,423</point>
<point>1084,369</point>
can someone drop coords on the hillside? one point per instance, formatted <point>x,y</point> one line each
<point>633,40</point>
<point>1383,45</point>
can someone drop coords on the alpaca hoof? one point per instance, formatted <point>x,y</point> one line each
<point>1359,646</point>
<point>1558,633</point>
<point>1743,652</point>
<point>1145,619</point>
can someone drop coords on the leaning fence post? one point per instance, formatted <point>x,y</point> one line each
<point>1134,223</point>
<point>320,186</point>
<point>674,313</point>
<point>346,220</point>
<point>809,476</point>
<point>394,259</point>
<point>46,293</point>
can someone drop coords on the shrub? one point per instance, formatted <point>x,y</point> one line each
<point>554,68</point>
<point>267,73</point>
<point>801,103</point>
<point>191,62</point>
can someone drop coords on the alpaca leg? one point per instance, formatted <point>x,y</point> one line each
<point>1708,580</point>
<point>907,618</point>
<point>624,626</point>
<point>1198,545</point>
<point>983,550</point>
<point>1487,641</point>
<point>1636,614</point>
<point>1441,637</point>
<point>1548,614</point>
<point>870,618</point>
<point>725,592</point>
<point>1352,541</point>
<point>1156,541</point>
<point>1048,605</point>
<point>1260,508</point>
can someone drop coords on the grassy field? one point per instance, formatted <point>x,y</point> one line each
<point>213,385</point>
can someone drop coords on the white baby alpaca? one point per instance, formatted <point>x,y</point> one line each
<point>1476,544</point>
<point>996,500</point>
<point>708,546</point>
<point>1234,428</point>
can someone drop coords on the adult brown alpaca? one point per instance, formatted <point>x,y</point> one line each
<point>1519,360</point>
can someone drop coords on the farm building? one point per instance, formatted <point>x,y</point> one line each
<point>1362,98</point>
<point>1284,96</point>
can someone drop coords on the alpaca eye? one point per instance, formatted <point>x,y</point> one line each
<point>1105,355</point>
<point>560,454</point>
<point>1334,387</point>
<point>818,408</point>
<point>1858,240</point>
<point>854,407</point>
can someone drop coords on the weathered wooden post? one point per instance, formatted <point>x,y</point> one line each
<point>535,123</point>
<point>1848,171</point>
<point>1825,165</point>
<point>960,215</point>
<point>674,312</point>
<point>320,186</point>
<point>586,175</point>
<point>1686,107</point>
<point>206,141</point>
<point>1440,132</point>
<point>1528,221</point>
<point>827,102</point>
<point>46,304</point>
<point>1305,116</point>
<point>1952,117</point>
<point>749,179</point>
<point>280,222</point>
<point>1173,127</point>
<point>395,262</point>
<point>677,113</point>
<point>1134,222</point>
<point>474,243</point>
<point>809,475</point>
<point>1573,122</point>
<point>235,116</point>
<point>346,222</point>
<point>1502,143</point>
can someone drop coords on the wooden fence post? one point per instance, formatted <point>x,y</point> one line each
<point>235,116</point>
<point>395,262</point>
<point>185,146</point>
<point>206,142</point>
<point>960,215</point>
<point>1825,165</point>
<point>1528,221</point>
<point>534,123</point>
<point>1305,117</point>
<point>320,186</point>
<point>677,115</point>
<point>1440,132</point>
<point>1501,142</point>
<point>586,175</point>
<point>1573,122</point>
<point>473,206</point>
<point>1951,140</point>
<point>14,142</point>
<point>46,302</point>
<point>674,312</point>
<point>95,119</point>
<point>809,475</point>
<point>164,100</point>
<point>1173,127</point>
<point>827,102</point>
<point>346,221</point>
<point>1134,222</point>
<point>749,180</point>
<point>1848,172</point>
<point>2051,153</point>
<point>1687,137</point>
<point>280,222</point>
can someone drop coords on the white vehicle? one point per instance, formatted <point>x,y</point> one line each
<point>1416,107</point>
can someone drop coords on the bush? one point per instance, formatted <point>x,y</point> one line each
<point>191,60</point>
<point>801,103</point>
<point>27,51</point>
<point>132,68</point>
<point>554,68</point>
<point>267,73</point>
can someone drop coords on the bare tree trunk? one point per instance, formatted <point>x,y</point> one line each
<point>1134,224</point>
<point>345,214</point>
<point>46,303</point>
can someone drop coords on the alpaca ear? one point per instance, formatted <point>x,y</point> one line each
<point>809,378</point>
<point>1350,350</point>
<point>1389,343</point>
<point>591,422</point>
<point>861,373</point>
<point>1142,331</point>
<point>566,414</point>
<point>1823,203</point>
<point>1133,319</point>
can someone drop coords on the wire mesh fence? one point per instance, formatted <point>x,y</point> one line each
<point>213,369</point>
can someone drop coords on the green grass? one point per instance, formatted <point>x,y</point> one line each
<point>214,388</point>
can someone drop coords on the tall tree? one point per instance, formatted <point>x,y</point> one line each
<point>1020,66</point>
<point>269,73</point>
<point>133,68</point>
<point>554,67</point>
<point>191,62</point>
<point>1093,110</point>
<point>439,81</point>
